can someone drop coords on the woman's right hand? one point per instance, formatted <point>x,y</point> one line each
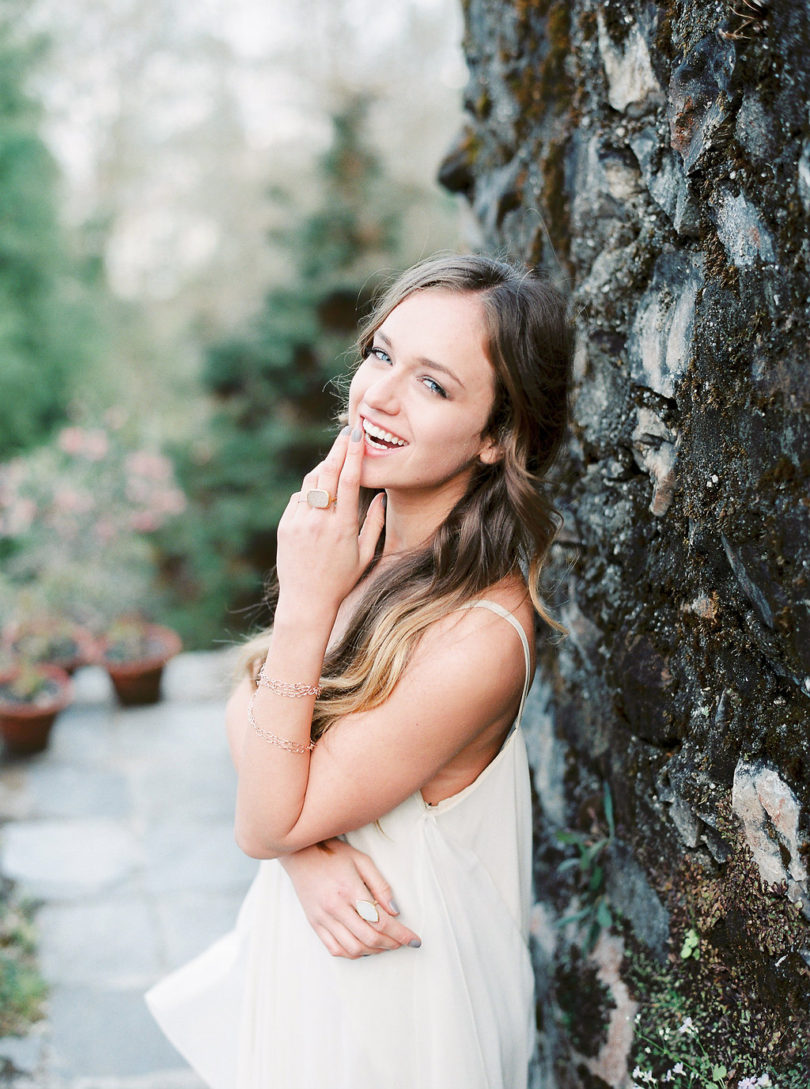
<point>328,883</point>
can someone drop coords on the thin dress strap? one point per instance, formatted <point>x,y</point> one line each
<point>494,607</point>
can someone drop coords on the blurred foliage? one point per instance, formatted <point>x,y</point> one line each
<point>78,516</point>
<point>46,322</point>
<point>22,989</point>
<point>275,401</point>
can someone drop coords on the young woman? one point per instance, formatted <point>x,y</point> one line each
<point>375,731</point>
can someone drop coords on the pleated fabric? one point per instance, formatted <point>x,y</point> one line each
<point>267,1007</point>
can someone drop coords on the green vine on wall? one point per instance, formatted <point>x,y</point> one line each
<point>725,1009</point>
<point>594,913</point>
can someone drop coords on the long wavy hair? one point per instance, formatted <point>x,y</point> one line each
<point>504,523</point>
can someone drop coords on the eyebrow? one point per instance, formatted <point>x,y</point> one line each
<point>424,360</point>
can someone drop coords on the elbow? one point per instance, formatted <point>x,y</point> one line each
<point>258,846</point>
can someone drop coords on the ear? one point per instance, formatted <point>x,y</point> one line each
<point>491,452</point>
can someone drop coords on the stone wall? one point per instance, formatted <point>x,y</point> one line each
<point>657,158</point>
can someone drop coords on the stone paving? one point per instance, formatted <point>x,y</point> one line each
<point>122,833</point>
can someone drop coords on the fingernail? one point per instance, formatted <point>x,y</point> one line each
<point>357,435</point>
<point>414,943</point>
<point>346,430</point>
<point>385,500</point>
<point>392,907</point>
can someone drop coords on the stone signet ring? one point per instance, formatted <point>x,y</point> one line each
<point>366,910</point>
<point>320,498</point>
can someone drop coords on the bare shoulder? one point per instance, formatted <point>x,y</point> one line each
<point>480,634</point>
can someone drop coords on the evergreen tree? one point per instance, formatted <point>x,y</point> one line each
<point>273,386</point>
<point>43,324</point>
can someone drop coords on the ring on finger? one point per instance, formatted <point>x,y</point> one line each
<point>366,910</point>
<point>320,499</point>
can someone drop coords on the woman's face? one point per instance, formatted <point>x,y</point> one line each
<point>423,395</point>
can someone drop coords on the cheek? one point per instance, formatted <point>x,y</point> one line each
<point>356,390</point>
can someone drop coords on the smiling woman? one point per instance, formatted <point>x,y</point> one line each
<point>426,389</point>
<point>377,724</point>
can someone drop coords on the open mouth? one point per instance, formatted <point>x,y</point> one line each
<point>380,439</point>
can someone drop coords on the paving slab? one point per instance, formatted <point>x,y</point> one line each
<point>105,1032</point>
<point>123,830</point>
<point>75,790</point>
<point>194,855</point>
<point>189,922</point>
<point>110,942</point>
<point>55,860</point>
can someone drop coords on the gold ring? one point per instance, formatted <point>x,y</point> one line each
<point>319,498</point>
<point>366,910</point>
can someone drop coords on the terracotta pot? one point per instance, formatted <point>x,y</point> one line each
<point>138,681</point>
<point>85,652</point>
<point>26,727</point>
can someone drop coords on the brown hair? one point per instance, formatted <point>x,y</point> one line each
<point>504,523</point>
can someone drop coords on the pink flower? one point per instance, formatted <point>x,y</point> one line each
<point>105,530</point>
<point>171,501</point>
<point>148,465</point>
<point>145,521</point>
<point>75,441</point>
<point>70,500</point>
<point>18,517</point>
<point>71,440</point>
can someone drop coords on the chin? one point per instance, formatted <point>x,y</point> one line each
<point>374,480</point>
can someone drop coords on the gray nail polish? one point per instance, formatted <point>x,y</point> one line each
<point>415,943</point>
<point>392,907</point>
<point>345,430</point>
<point>357,435</point>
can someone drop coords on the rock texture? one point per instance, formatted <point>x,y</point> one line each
<point>656,157</point>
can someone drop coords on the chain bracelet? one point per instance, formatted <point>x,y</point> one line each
<point>283,743</point>
<point>290,689</point>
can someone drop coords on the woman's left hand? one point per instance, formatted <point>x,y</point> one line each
<point>323,550</point>
<point>329,883</point>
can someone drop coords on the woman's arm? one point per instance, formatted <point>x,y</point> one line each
<point>464,680</point>
<point>462,683</point>
<point>329,879</point>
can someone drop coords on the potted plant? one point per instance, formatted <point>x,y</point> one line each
<point>78,522</point>
<point>31,696</point>
<point>134,652</point>
<point>50,638</point>
<point>79,518</point>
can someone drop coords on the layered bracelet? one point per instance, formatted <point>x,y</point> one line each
<point>292,690</point>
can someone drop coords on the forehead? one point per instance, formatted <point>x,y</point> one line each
<point>447,327</point>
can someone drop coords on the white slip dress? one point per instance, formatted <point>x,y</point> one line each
<point>267,1007</point>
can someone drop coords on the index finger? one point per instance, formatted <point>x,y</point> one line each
<point>328,470</point>
<point>348,487</point>
<point>336,451</point>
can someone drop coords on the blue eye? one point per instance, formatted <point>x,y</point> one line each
<point>434,387</point>
<point>377,352</point>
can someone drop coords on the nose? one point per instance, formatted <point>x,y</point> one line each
<point>383,393</point>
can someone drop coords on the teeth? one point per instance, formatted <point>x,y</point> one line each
<point>377,432</point>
